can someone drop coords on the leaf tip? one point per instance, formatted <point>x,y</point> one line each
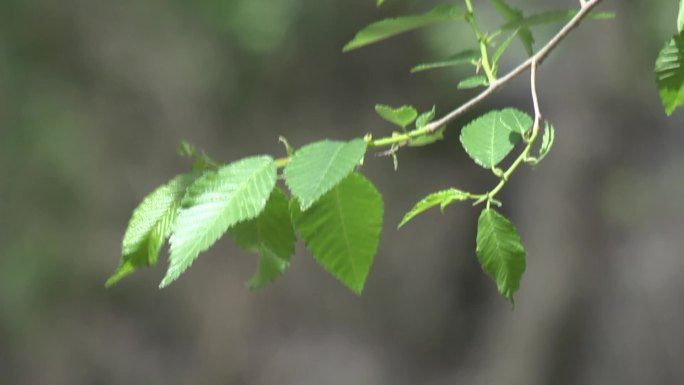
<point>357,288</point>
<point>111,281</point>
<point>349,47</point>
<point>121,272</point>
<point>168,279</point>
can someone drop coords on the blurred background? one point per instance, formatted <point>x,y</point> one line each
<point>95,96</point>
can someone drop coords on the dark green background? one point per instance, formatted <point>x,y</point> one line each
<point>95,96</point>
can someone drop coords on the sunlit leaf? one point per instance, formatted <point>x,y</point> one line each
<point>271,235</point>
<point>387,28</point>
<point>215,202</point>
<point>150,225</point>
<point>500,252</point>
<point>342,229</point>
<point>440,198</point>
<point>316,168</point>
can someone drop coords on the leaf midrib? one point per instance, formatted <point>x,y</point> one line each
<point>227,203</point>
<point>328,167</point>
<point>345,235</point>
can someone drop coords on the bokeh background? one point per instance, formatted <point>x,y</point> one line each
<point>95,96</point>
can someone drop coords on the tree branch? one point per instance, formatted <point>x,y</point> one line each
<point>536,59</point>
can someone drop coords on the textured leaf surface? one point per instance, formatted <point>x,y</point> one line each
<point>400,116</point>
<point>511,14</point>
<point>387,28</point>
<point>441,198</point>
<point>669,71</point>
<point>271,235</point>
<point>217,201</point>
<point>316,168</point>
<point>500,252</point>
<point>150,225</point>
<point>342,229</point>
<point>491,137</point>
<point>680,16</point>
<point>470,56</point>
<point>472,82</point>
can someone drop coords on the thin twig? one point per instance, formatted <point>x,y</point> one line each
<point>537,58</point>
<point>535,98</point>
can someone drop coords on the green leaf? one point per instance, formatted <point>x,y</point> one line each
<point>550,17</point>
<point>500,251</point>
<point>516,120</point>
<point>511,14</point>
<point>342,229</point>
<point>470,56</point>
<point>149,226</point>
<point>491,137</point>
<point>472,82</point>
<point>427,139</point>
<point>316,168</point>
<point>680,17</point>
<point>378,3</point>
<point>387,28</point>
<point>217,201</point>
<point>271,235</point>
<point>425,118</point>
<point>442,198</point>
<point>547,141</point>
<point>669,72</point>
<point>400,116</point>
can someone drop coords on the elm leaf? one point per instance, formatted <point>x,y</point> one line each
<point>342,229</point>
<point>441,198</point>
<point>500,252</point>
<point>316,168</point>
<point>215,202</point>
<point>270,235</point>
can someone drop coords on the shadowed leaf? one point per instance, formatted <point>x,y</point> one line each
<point>500,252</point>
<point>342,229</point>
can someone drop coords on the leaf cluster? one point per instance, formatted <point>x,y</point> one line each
<point>336,211</point>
